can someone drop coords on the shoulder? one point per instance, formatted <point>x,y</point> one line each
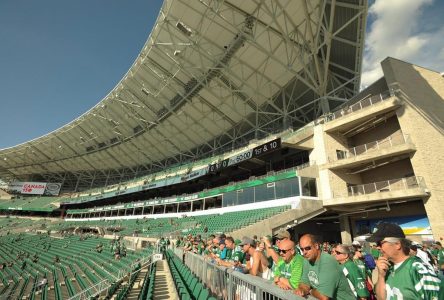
<point>327,259</point>
<point>257,253</point>
<point>297,259</point>
<point>280,261</point>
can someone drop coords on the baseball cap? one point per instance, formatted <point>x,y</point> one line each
<point>356,243</point>
<point>247,241</point>
<point>384,230</point>
<point>282,234</point>
<point>222,242</point>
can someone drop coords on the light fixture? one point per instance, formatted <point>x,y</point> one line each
<point>146,92</point>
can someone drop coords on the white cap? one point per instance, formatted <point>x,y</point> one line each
<point>356,243</point>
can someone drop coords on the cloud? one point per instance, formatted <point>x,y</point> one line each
<point>398,31</point>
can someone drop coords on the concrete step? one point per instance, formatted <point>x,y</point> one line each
<point>164,287</point>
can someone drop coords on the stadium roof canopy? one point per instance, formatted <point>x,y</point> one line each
<point>211,76</point>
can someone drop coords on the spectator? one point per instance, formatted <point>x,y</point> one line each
<point>416,250</point>
<point>229,246</point>
<point>408,277</point>
<point>273,251</point>
<point>222,250</point>
<point>288,271</point>
<point>322,276</point>
<point>356,280</point>
<point>375,252</point>
<point>440,256</point>
<point>358,259</point>
<point>257,265</point>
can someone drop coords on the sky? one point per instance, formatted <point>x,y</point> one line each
<point>59,58</point>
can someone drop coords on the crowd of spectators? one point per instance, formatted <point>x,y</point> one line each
<point>309,266</point>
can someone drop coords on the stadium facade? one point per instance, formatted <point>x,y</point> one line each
<point>227,101</point>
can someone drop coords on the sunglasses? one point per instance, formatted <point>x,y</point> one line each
<point>380,243</point>
<point>389,240</point>
<point>337,252</point>
<point>308,248</point>
<point>284,251</point>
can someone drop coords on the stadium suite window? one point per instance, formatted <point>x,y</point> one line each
<point>308,186</point>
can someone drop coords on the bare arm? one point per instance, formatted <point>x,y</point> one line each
<point>302,290</point>
<point>270,251</point>
<point>256,263</point>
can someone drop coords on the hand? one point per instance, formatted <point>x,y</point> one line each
<point>266,241</point>
<point>383,265</point>
<point>283,285</point>
<point>299,292</point>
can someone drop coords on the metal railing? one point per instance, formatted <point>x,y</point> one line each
<point>105,284</point>
<point>366,102</point>
<point>228,284</point>
<point>92,291</point>
<point>387,186</point>
<point>391,141</point>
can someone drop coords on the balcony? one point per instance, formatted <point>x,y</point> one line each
<point>394,145</point>
<point>394,189</point>
<point>368,108</point>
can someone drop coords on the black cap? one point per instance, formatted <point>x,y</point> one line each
<point>384,230</point>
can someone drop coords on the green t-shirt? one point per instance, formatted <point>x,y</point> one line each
<point>228,254</point>
<point>325,275</point>
<point>356,279</point>
<point>440,257</point>
<point>292,271</point>
<point>238,256</point>
<point>362,268</point>
<point>411,280</point>
<point>375,253</point>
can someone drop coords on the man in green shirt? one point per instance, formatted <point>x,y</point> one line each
<point>356,279</point>
<point>401,276</point>
<point>322,276</point>
<point>440,256</point>
<point>288,271</point>
<point>229,246</point>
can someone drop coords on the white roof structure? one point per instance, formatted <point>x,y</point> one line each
<point>211,76</point>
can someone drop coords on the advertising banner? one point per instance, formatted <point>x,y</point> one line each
<point>411,225</point>
<point>35,188</point>
<point>53,188</point>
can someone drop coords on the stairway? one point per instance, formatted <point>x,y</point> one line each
<point>164,284</point>
<point>137,286</point>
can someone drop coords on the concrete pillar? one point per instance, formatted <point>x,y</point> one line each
<point>344,225</point>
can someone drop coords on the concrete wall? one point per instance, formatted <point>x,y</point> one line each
<point>290,218</point>
<point>384,130</point>
<point>422,117</point>
<point>395,170</point>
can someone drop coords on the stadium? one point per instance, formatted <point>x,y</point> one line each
<point>238,118</point>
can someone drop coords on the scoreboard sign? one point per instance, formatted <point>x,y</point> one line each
<point>246,155</point>
<point>267,147</point>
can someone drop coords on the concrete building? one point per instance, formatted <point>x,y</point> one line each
<point>380,156</point>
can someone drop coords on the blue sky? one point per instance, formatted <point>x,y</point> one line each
<point>59,58</point>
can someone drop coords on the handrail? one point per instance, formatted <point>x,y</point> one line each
<point>105,284</point>
<point>385,186</point>
<point>92,291</point>
<point>366,102</point>
<point>390,141</point>
<point>232,284</point>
